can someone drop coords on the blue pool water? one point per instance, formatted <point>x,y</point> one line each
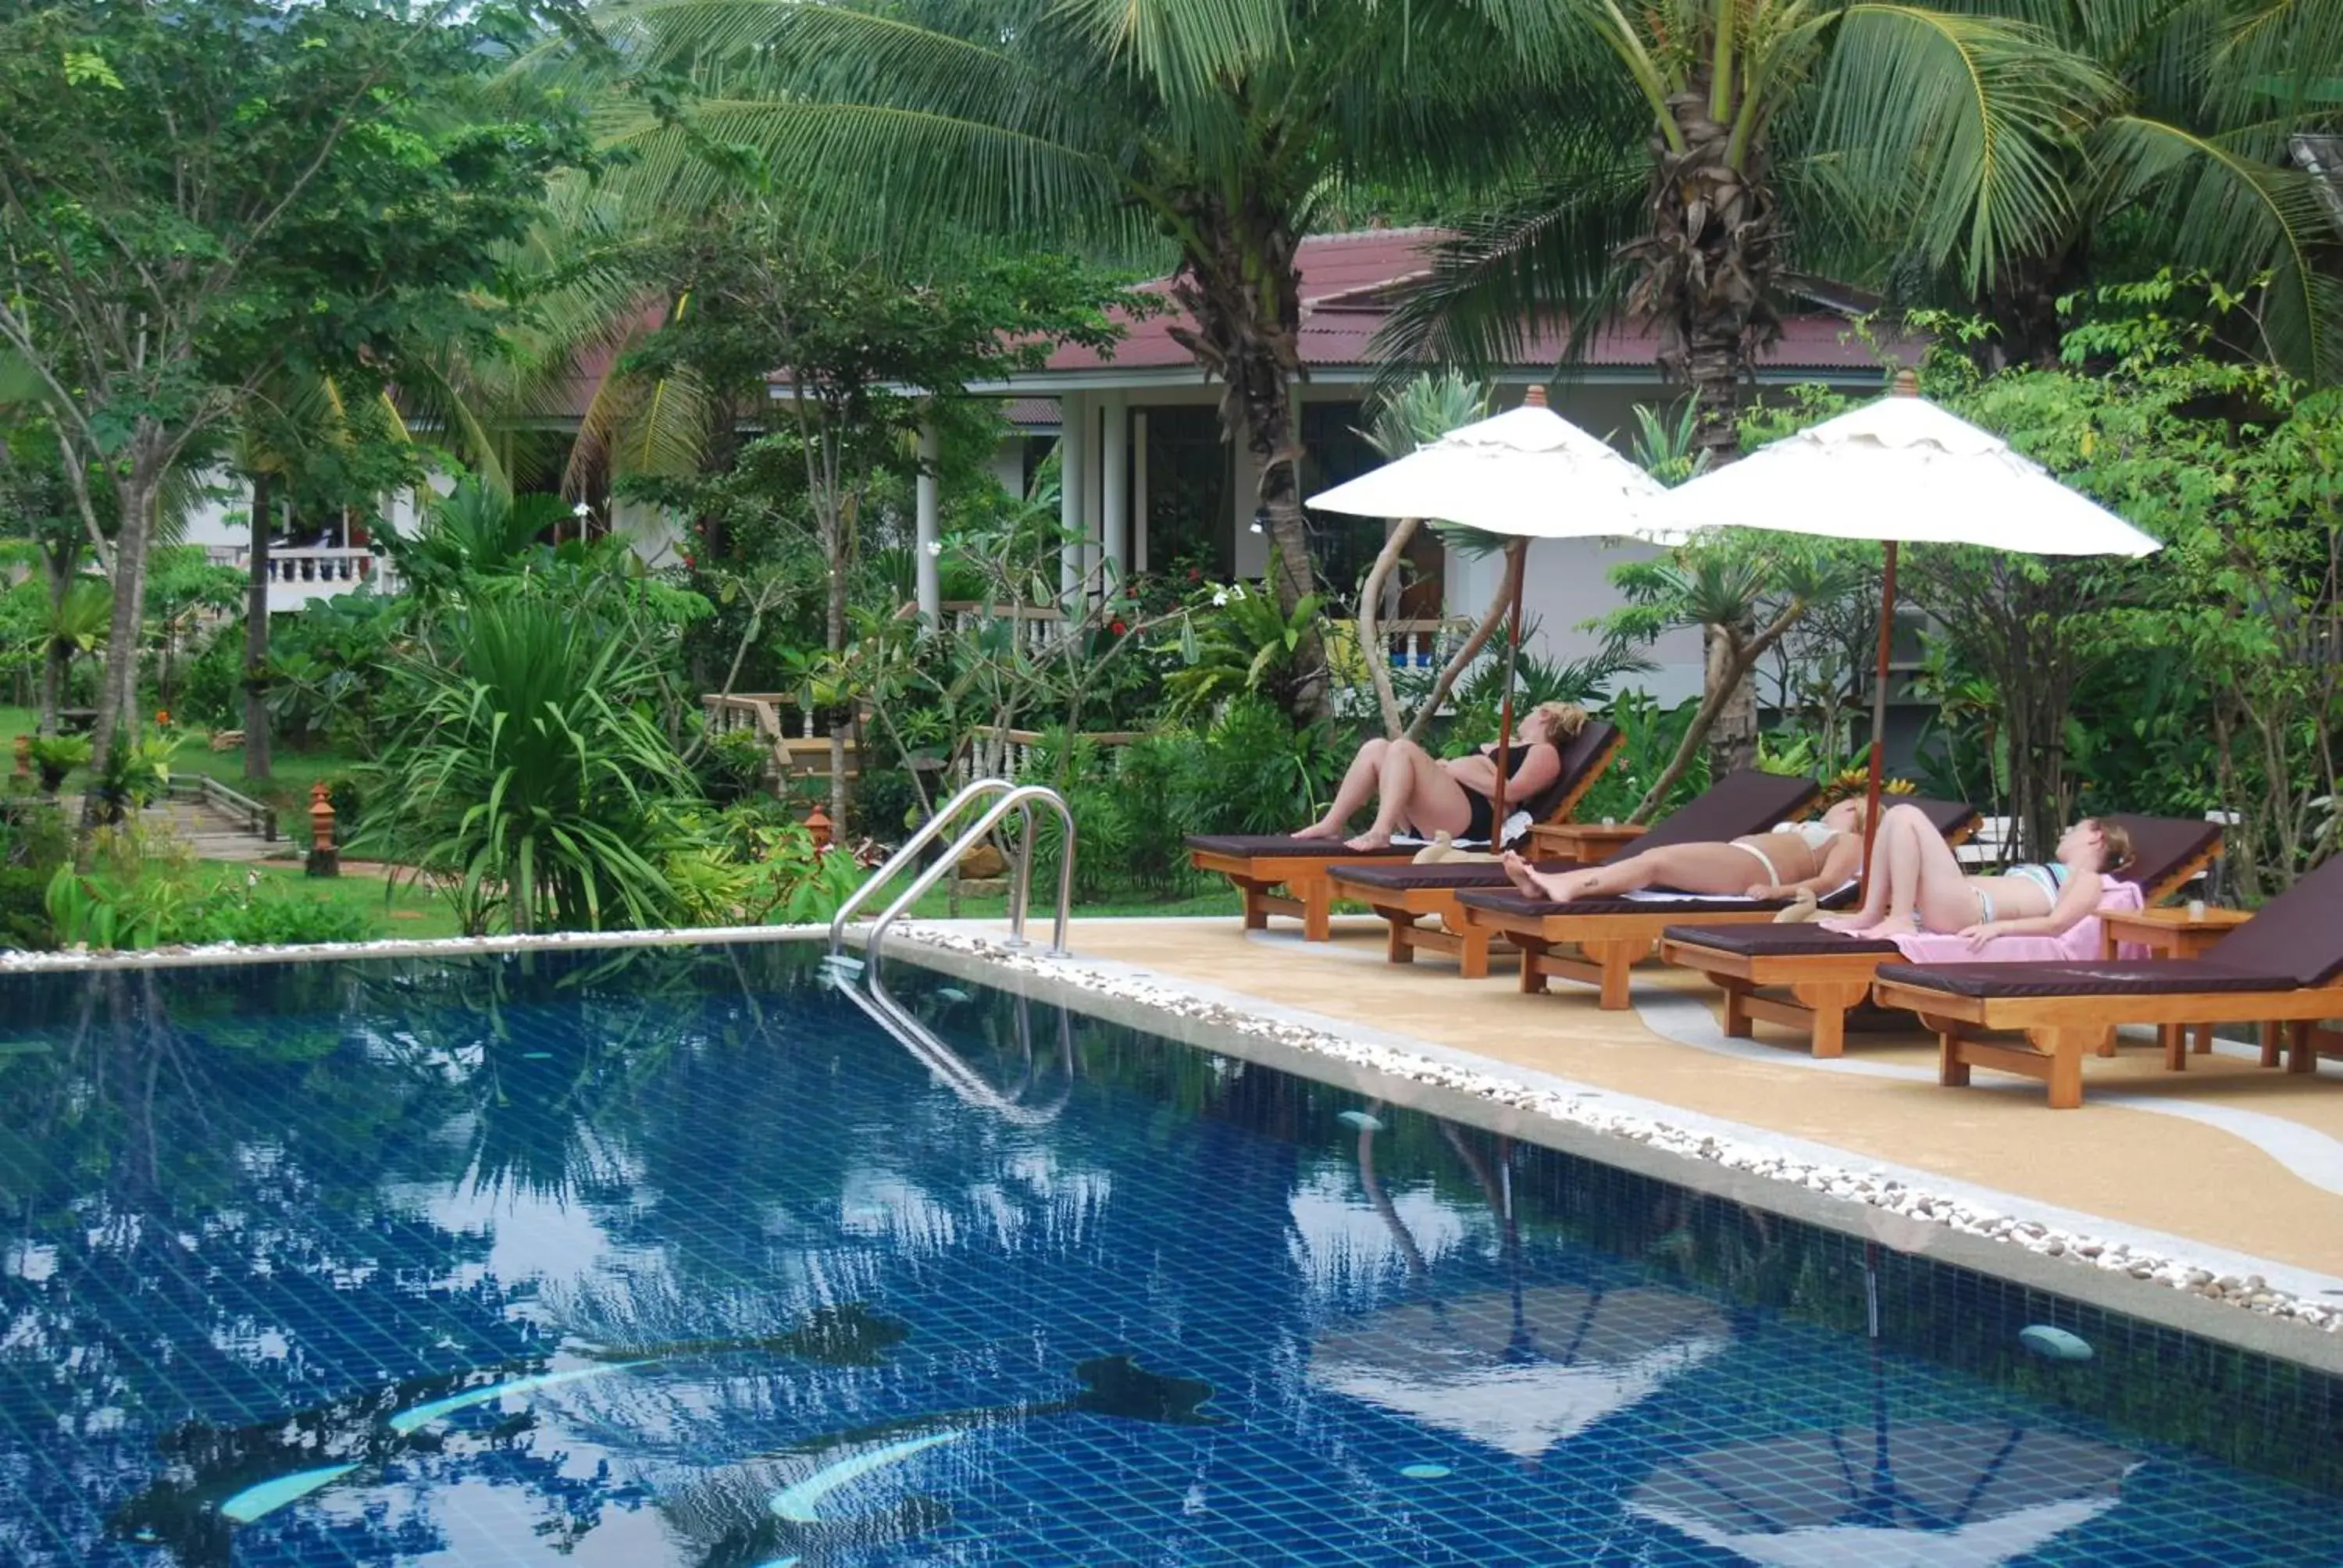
<point>673,1257</point>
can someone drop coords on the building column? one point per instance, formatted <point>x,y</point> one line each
<point>1251,555</point>
<point>1139,489</point>
<point>928,568</point>
<point>1114,486</point>
<point>1073,489</point>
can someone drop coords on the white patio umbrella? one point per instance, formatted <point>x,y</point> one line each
<point>1903,470</point>
<point>1519,1372</point>
<point>1926,1495</point>
<point>1527,474</point>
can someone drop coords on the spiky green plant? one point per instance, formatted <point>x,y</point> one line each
<point>528,778</point>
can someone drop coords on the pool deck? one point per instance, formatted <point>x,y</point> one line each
<point>2229,1162</point>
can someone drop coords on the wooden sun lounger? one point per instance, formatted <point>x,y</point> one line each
<point>2282,967</point>
<point>1746,802</point>
<point>1611,936</point>
<point>1810,978</point>
<point>1259,865</point>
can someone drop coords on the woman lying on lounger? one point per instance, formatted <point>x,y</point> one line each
<point>1421,795</point>
<point>1920,885</point>
<point>1818,857</point>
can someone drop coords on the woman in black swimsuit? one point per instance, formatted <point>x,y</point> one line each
<point>1418,793</point>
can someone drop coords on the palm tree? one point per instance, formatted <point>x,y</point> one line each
<point>2191,170</point>
<point>1216,129</point>
<point>1770,134</point>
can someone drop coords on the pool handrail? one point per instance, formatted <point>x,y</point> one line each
<point>929,832</point>
<point>1022,798</point>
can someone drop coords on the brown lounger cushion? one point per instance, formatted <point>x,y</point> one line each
<point>1285,846</point>
<point>1442,874</point>
<point>2163,846</point>
<point>2115,977</point>
<point>1777,942</point>
<point>2299,933</point>
<point>1585,748</point>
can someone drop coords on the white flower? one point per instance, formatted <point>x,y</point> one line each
<point>581,511</point>
<point>1237,591</point>
<point>1220,597</point>
<point>935,546</point>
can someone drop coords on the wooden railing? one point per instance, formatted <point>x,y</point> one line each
<point>785,723</point>
<point>995,752</point>
<point>255,817</point>
<point>1036,624</point>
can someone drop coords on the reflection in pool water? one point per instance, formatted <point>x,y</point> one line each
<point>674,1257</point>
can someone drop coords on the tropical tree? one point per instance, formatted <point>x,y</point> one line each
<point>193,195</point>
<point>2192,168</point>
<point>1213,131</point>
<point>306,438</point>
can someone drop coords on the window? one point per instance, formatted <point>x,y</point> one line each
<point>1190,507</point>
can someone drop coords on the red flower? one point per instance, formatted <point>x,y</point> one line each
<point>1117,627</point>
<point>1194,575</point>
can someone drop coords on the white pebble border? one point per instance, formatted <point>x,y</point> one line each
<point>2250,1291</point>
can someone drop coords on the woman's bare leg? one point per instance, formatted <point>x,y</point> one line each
<point>1358,788</point>
<point>1691,867</point>
<point>1416,791</point>
<point>1913,872</point>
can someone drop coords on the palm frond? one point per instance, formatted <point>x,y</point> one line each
<point>1508,278</point>
<point>1954,129</point>
<point>2238,219</point>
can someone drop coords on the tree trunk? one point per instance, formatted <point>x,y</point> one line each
<point>1293,576</point>
<point>1231,257</point>
<point>57,658</point>
<point>834,550</point>
<point>1453,671</point>
<point>1733,738</point>
<point>117,692</point>
<point>1369,606</point>
<point>256,633</point>
<point>1710,264</point>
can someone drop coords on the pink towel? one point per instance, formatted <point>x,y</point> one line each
<point>2079,945</point>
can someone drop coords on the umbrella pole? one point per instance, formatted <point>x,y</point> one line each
<point>1514,552</point>
<point>1878,721</point>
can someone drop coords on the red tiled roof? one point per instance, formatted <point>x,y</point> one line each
<point>1347,284</point>
<point>1031,412</point>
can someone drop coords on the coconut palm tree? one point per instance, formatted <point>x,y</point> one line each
<point>1211,131</point>
<point>1772,135</point>
<point>2192,169</point>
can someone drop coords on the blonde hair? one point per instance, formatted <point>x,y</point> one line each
<point>1564,721</point>
<point>2116,849</point>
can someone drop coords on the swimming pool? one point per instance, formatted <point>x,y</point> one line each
<point>671,1256</point>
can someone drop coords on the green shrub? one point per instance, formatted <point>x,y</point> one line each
<point>23,907</point>
<point>266,915</point>
<point>210,686</point>
<point>731,765</point>
<point>531,775</point>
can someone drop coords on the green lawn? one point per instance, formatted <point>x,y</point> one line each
<point>401,911</point>
<point>287,787</point>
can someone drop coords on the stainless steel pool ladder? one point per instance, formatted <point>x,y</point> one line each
<point>1006,797</point>
<point>951,1068</point>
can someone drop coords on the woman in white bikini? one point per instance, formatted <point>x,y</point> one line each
<point>1921,887</point>
<point>1818,857</point>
